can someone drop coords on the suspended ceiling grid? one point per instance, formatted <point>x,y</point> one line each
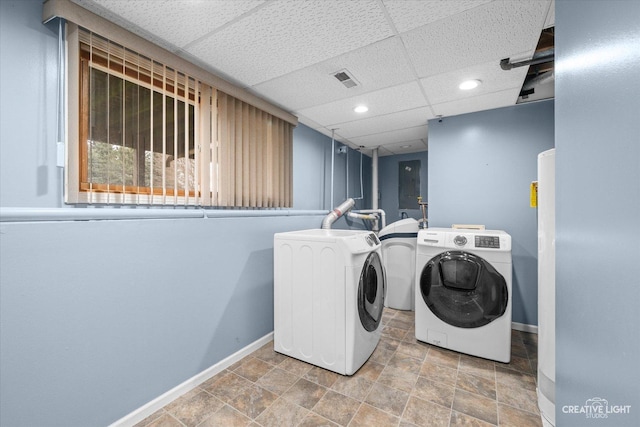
<point>407,56</point>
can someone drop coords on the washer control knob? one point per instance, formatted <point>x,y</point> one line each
<point>460,240</point>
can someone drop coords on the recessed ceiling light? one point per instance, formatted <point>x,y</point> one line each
<point>361,109</point>
<point>469,84</point>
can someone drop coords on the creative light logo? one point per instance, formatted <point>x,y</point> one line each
<point>596,407</point>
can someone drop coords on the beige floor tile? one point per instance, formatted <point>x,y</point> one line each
<point>354,386</point>
<point>443,357</point>
<point>515,378</point>
<point>405,363</point>
<point>398,323</point>
<point>321,376</point>
<point>148,420</point>
<point>370,370</point>
<point>295,366</point>
<point>253,401</point>
<point>416,350</point>
<point>165,420</point>
<point>463,420</point>
<point>315,420</point>
<point>182,399</point>
<point>411,337</point>
<point>426,414</point>
<point>408,315</point>
<point>478,385</point>
<point>477,366</point>
<point>267,354</point>
<point>228,387</point>
<point>388,399</point>
<point>518,397</point>
<point>520,364</point>
<point>529,338</point>
<point>337,407</point>
<point>277,381</point>
<point>397,378</point>
<point>196,408</point>
<point>214,378</point>
<point>382,355</point>
<point>252,369</point>
<point>435,392</point>
<point>227,417</point>
<point>305,393</point>
<point>439,373</point>
<point>512,417</point>
<point>389,343</point>
<point>368,416</point>
<point>405,383</point>
<point>395,333</point>
<point>476,406</point>
<point>282,413</point>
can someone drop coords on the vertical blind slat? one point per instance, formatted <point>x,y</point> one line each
<point>171,139</point>
<point>260,159</point>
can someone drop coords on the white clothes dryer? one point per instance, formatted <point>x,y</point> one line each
<point>329,288</point>
<point>463,291</point>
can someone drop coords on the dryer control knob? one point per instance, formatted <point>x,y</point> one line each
<point>460,240</point>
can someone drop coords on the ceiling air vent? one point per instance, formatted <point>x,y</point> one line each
<point>346,79</point>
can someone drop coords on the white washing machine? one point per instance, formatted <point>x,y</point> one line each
<point>463,291</point>
<point>399,257</point>
<point>329,288</point>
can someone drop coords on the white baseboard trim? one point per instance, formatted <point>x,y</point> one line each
<point>533,329</point>
<point>168,397</point>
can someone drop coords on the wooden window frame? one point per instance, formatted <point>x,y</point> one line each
<point>258,151</point>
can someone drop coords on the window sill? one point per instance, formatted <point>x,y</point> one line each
<point>129,213</point>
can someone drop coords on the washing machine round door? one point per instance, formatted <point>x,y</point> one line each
<point>463,289</point>
<point>371,290</point>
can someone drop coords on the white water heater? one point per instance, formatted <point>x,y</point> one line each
<point>547,286</point>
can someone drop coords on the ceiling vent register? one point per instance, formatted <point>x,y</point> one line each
<point>346,79</point>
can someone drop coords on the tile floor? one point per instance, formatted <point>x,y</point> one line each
<point>404,383</point>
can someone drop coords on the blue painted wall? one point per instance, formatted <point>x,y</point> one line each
<point>28,78</point>
<point>312,172</point>
<point>97,318</point>
<point>388,184</point>
<point>480,169</point>
<point>598,206</point>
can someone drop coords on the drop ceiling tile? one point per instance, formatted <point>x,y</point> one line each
<point>288,35</point>
<point>375,66</point>
<point>381,152</point>
<point>551,15</point>
<point>477,103</point>
<point>177,22</point>
<point>407,147</point>
<point>384,101</point>
<point>444,87</point>
<point>409,14</point>
<point>387,122</point>
<point>494,30</point>
<point>391,137</point>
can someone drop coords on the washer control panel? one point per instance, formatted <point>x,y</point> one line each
<point>491,242</point>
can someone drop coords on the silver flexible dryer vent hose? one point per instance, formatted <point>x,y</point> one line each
<point>337,213</point>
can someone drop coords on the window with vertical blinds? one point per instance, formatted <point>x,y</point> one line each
<point>151,134</point>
